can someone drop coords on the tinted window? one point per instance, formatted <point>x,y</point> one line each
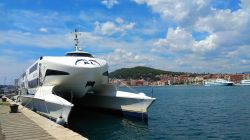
<point>33,68</point>
<point>55,72</point>
<point>79,54</point>
<point>33,83</point>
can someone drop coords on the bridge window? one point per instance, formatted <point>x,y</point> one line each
<point>79,54</point>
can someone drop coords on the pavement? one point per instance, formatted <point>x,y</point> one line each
<point>28,125</point>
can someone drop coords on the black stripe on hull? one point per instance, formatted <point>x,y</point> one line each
<point>50,72</point>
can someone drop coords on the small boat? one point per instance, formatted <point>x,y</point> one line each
<point>218,82</point>
<point>245,82</point>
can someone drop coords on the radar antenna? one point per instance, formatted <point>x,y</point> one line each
<point>77,47</point>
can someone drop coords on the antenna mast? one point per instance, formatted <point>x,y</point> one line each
<point>77,48</point>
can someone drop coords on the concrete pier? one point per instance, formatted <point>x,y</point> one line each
<point>29,125</point>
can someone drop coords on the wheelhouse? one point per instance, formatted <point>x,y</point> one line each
<point>79,54</point>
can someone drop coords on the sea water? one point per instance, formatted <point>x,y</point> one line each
<point>179,112</point>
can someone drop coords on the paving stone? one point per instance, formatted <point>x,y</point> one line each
<point>27,125</point>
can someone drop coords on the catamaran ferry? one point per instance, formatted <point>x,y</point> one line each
<point>50,85</point>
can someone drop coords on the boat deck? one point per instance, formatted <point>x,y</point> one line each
<point>29,126</point>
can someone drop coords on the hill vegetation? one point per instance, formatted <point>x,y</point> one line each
<point>141,72</point>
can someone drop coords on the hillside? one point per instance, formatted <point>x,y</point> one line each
<point>140,73</point>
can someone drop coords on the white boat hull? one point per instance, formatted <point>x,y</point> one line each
<point>245,83</point>
<point>48,109</point>
<point>130,104</point>
<point>218,82</point>
<point>48,104</point>
<point>129,107</point>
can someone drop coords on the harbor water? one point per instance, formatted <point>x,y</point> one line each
<point>180,112</point>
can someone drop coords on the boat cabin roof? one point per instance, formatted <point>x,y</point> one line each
<point>79,54</point>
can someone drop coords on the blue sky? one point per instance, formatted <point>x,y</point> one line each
<point>177,35</point>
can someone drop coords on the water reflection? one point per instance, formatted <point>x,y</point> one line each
<point>180,112</point>
<point>102,125</point>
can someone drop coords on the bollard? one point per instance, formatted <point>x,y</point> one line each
<point>4,99</point>
<point>13,108</point>
<point>60,121</point>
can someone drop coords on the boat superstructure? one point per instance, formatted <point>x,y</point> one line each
<point>57,80</point>
<point>76,73</point>
<point>218,82</point>
<point>245,82</point>
<point>49,84</point>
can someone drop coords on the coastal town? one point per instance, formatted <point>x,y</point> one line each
<point>185,79</point>
<point>161,80</point>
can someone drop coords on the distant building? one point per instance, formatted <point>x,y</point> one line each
<point>236,78</point>
<point>186,79</point>
<point>139,82</point>
<point>198,80</point>
<point>246,76</point>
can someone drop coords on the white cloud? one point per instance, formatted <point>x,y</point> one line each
<point>176,40</point>
<point>125,58</point>
<point>86,39</point>
<point>228,30</point>
<point>119,20</point>
<point>110,28</point>
<point>107,28</point>
<point>44,41</point>
<point>36,20</point>
<point>245,4</point>
<point>45,30</point>
<point>177,10</point>
<point>24,18</point>
<point>180,40</point>
<point>110,3</point>
<point>200,16</point>
<point>128,26</point>
<point>222,20</point>
<point>11,68</point>
<point>205,45</point>
<point>225,46</point>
